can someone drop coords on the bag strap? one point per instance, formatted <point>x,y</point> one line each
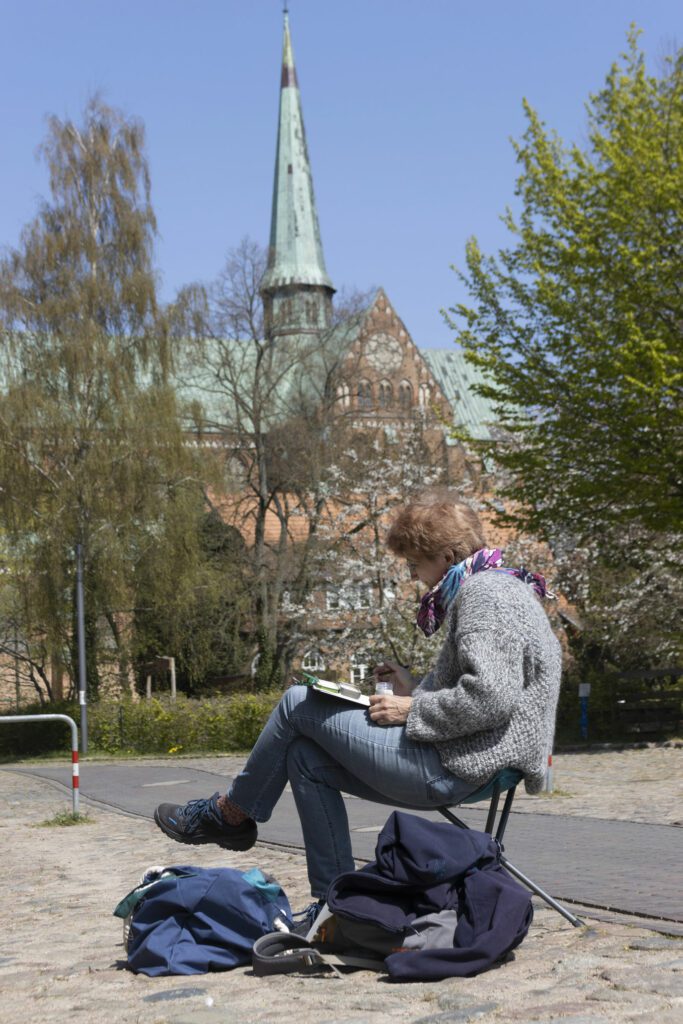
<point>285,953</point>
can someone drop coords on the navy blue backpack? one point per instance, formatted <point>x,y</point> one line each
<point>193,920</point>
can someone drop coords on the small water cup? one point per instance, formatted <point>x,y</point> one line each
<point>384,688</point>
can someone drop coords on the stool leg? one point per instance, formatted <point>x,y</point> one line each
<point>516,873</point>
<point>505,814</point>
<point>493,808</point>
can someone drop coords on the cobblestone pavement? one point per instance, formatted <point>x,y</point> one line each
<point>61,953</point>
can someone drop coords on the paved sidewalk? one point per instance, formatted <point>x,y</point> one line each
<point>61,952</point>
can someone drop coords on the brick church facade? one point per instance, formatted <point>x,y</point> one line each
<point>391,380</point>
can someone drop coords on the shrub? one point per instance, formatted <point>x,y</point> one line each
<point>28,739</point>
<point>157,726</point>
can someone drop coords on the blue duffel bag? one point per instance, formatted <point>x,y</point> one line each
<point>192,920</point>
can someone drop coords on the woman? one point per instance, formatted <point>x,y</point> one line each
<point>488,704</point>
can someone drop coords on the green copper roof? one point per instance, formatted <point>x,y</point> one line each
<point>295,255</point>
<point>226,390</point>
<point>456,376</point>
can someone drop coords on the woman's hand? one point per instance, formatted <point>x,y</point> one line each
<point>398,675</point>
<point>386,709</point>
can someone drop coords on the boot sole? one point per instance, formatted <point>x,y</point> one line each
<point>239,843</point>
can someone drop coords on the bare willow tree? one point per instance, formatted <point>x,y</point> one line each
<point>91,446</point>
<point>269,402</point>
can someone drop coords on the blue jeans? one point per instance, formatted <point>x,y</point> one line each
<point>323,747</point>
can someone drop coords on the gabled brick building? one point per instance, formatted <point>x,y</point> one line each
<point>384,382</point>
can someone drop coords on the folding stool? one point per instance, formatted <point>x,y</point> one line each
<point>506,780</point>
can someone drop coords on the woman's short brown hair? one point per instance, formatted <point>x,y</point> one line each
<point>431,525</point>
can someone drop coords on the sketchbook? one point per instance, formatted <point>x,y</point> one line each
<point>343,691</point>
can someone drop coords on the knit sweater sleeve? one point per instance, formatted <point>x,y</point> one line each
<point>483,696</point>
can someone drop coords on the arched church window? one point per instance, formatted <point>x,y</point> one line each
<point>343,396</point>
<point>364,394</point>
<point>405,394</point>
<point>424,395</point>
<point>385,393</point>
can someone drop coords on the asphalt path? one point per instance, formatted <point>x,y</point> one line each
<point>617,865</point>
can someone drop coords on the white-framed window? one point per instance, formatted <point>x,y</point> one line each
<point>358,669</point>
<point>313,661</point>
<point>352,597</point>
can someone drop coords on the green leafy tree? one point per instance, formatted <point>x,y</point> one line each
<point>204,606</point>
<point>577,324</point>
<point>577,327</point>
<point>91,446</point>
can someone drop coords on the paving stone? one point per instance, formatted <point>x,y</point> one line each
<point>458,1001</point>
<point>664,983</point>
<point>656,942</point>
<point>174,993</point>
<point>459,1016</point>
<point>571,1019</point>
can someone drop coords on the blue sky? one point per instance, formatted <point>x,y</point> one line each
<point>409,107</point>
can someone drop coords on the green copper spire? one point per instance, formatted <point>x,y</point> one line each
<point>296,289</point>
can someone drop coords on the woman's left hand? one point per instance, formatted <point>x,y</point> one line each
<point>385,709</point>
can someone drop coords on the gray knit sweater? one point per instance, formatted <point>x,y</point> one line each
<point>489,702</point>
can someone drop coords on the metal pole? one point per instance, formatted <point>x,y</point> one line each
<point>17,680</point>
<point>75,777</point>
<point>516,873</point>
<point>80,630</point>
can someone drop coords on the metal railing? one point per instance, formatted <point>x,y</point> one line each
<point>75,777</point>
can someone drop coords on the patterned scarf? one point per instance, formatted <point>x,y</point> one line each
<point>436,602</point>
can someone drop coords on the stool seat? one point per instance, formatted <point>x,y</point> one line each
<point>508,778</point>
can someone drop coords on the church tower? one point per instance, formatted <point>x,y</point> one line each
<point>296,291</point>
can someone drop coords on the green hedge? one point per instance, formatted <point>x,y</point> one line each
<point>157,726</point>
<point>24,739</point>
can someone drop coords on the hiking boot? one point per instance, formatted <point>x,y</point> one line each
<point>200,821</point>
<point>305,919</point>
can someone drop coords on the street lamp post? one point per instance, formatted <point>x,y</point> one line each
<point>80,631</point>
